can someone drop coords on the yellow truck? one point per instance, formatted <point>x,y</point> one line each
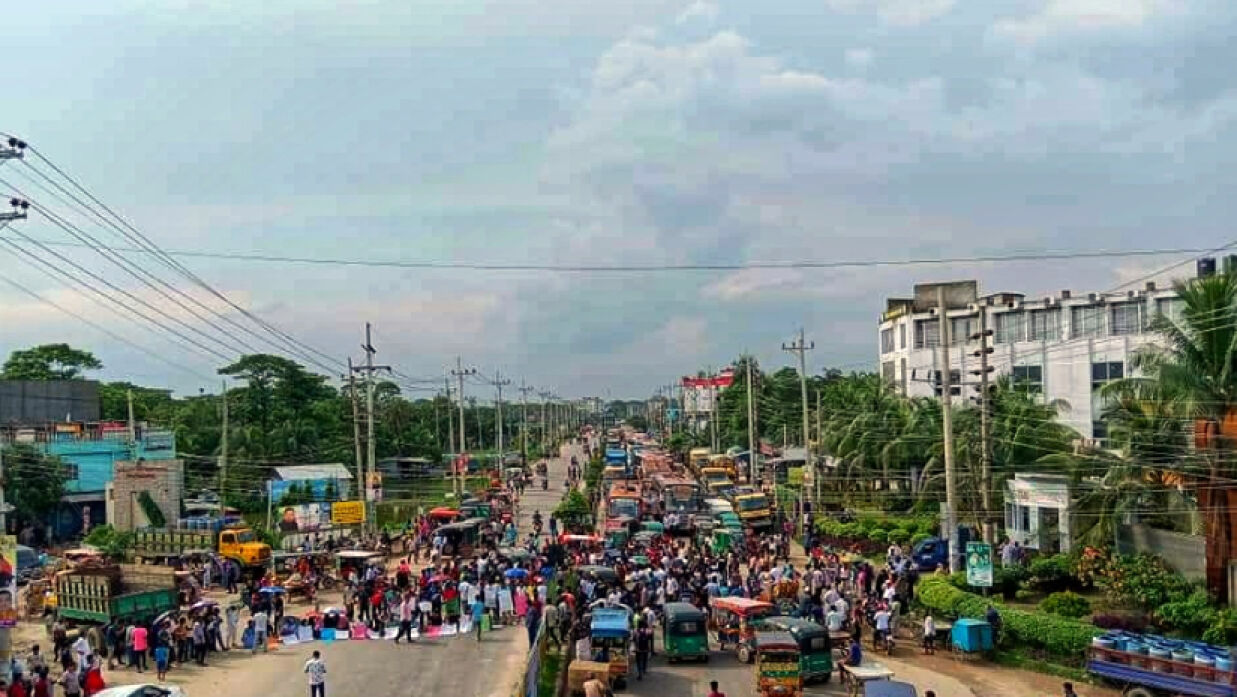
<point>698,459</point>
<point>727,463</point>
<point>236,542</point>
<point>753,509</point>
<point>716,481</point>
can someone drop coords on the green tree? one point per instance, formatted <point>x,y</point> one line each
<point>34,482</point>
<point>49,362</point>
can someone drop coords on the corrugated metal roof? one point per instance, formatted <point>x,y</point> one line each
<point>332,470</point>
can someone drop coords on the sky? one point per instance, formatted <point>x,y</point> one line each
<point>637,133</point>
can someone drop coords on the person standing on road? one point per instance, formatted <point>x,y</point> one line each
<point>233,615</point>
<point>478,613</point>
<point>137,650</point>
<point>644,647</point>
<point>259,630</point>
<point>406,608</point>
<point>594,687</point>
<point>316,669</point>
<point>713,691</point>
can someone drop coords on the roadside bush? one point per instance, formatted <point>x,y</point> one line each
<point>1006,580</point>
<point>899,536</point>
<point>1192,616</point>
<point>879,536</point>
<point>1130,622</point>
<point>1064,639</point>
<point>1052,574</point>
<point>1223,630</point>
<point>919,537</point>
<point>1066,604</point>
<point>1023,595</point>
<point>1144,580</point>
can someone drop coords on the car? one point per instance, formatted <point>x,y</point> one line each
<point>145,689</point>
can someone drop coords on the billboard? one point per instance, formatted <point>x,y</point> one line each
<point>8,581</point>
<point>979,564</point>
<point>327,489</point>
<point>304,517</point>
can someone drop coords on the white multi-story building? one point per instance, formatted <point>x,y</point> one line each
<point>1064,347</point>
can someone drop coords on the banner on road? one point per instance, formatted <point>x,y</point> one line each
<point>979,564</point>
<point>348,513</point>
<point>8,581</point>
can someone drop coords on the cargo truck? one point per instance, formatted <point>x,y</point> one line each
<point>96,595</point>
<point>238,543</point>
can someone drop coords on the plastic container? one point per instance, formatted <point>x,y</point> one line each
<point>1160,653</point>
<point>1104,642</point>
<point>1224,664</point>
<point>1183,659</point>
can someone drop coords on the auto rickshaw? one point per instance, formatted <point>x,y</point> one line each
<point>609,639</point>
<point>685,632</point>
<point>352,563</point>
<point>721,542</point>
<point>653,526</point>
<point>461,538</point>
<point>476,509</point>
<point>442,514</point>
<point>735,620</point>
<point>617,533</point>
<point>815,647</point>
<point>777,665</point>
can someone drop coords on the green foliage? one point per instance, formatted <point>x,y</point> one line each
<point>898,536</point>
<point>1191,616</point>
<point>573,507</point>
<point>1144,580</point>
<point>919,537</point>
<point>34,481</point>
<point>153,513</point>
<point>109,541</point>
<point>879,536</point>
<point>1066,604</point>
<point>1052,573</point>
<point>49,362</point>
<point>1223,630</point>
<point>1064,639</point>
<point>1023,595</point>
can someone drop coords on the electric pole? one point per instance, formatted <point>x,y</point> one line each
<point>356,424</point>
<point>446,386</point>
<point>985,425</point>
<point>800,348</point>
<point>460,372</point>
<point>499,383</point>
<point>951,501</point>
<point>545,431</point>
<point>754,471</point>
<point>223,443</point>
<point>524,390</point>
<point>371,445</point>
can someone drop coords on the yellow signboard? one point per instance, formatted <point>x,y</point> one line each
<point>8,581</point>
<point>347,513</point>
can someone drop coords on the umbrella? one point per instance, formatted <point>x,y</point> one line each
<point>516,573</point>
<point>272,590</point>
<point>164,617</point>
<point>203,604</point>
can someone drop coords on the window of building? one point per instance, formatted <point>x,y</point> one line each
<point>960,329</point>
<point>887,340</point>
<point>1029,378</point>
<point>70,470</point>
<point>955,382</point>
<point>904,377</point>
<point>1010,327</point>
<point>1170,307</point>
<point>927,334</point>
<point>1086,321</point>
<point>1043,325</point>
<point>1106,371</point>
<point>1024,518</point>
<point>1123,319</point>
<point>887,373</point>
<point>902,335</point>
<point>1009,516</point>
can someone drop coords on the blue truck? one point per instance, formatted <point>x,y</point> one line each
<point>1140,675</point>
<point>934,551</point>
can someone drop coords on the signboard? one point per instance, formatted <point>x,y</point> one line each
<point>304,517</point>
<point>328,489</point>
<point>8,581</point>
<point>347,513</point>
<point>979,564</point>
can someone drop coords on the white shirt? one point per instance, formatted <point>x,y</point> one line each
<point>82,648</point>
<point>882,621</point>
<point>259,623</point>
<point>834,620</point>
<point>929,626</point>
<point>317,671</point>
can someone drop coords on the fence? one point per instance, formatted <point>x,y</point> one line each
<point>529,682</point>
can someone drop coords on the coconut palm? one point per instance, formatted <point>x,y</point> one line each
<point>1195,370</point>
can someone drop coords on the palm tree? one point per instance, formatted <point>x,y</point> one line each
<point>1195,370</point>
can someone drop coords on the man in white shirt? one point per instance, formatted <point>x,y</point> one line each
<point>316,669</point>
<point>259,631</point>
<point>882,627</point>
<point>81,647</point>
<point>834,620</point>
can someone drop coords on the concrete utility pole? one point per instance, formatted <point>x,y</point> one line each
<point>754,470</point>
<point>132,425</point>
<point>985,425</point>
<point>499,383</point>
<point>223,442</point>
<point>545,431</point>
<point>371,445</point>
<point>446,391</point>
<point>460,372</point>
<point>947,424</point>
<point>356,422</point>
<point>476,412</point>
<point>800,348</point>
<point>713,412</point>
<point>524,390</point>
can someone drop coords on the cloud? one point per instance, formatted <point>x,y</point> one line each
<point>906,13</point>
<point>1061,16</point>
<point>699,10</point>
<point>858,58</point>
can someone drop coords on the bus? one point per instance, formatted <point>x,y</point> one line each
<point>753,509</point>
<point>682,499</point>
<point>698,459</point>
<point>623,501</point>
<point>716,480</point>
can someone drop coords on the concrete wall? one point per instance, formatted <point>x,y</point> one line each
<point>95,459</point>
<point>1185,553</point>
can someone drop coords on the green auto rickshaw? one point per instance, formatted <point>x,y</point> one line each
<point>685,632</point>
<point>652,526</point>
<point>815,649</point>
<point>722,541</point>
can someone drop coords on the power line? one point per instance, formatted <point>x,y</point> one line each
<point>658,268</point>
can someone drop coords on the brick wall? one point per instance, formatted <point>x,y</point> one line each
<point>163,479</point>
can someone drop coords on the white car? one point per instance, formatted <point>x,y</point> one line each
<point>145,689</point>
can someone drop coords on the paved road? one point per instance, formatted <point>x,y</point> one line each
<point>456,667</point>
